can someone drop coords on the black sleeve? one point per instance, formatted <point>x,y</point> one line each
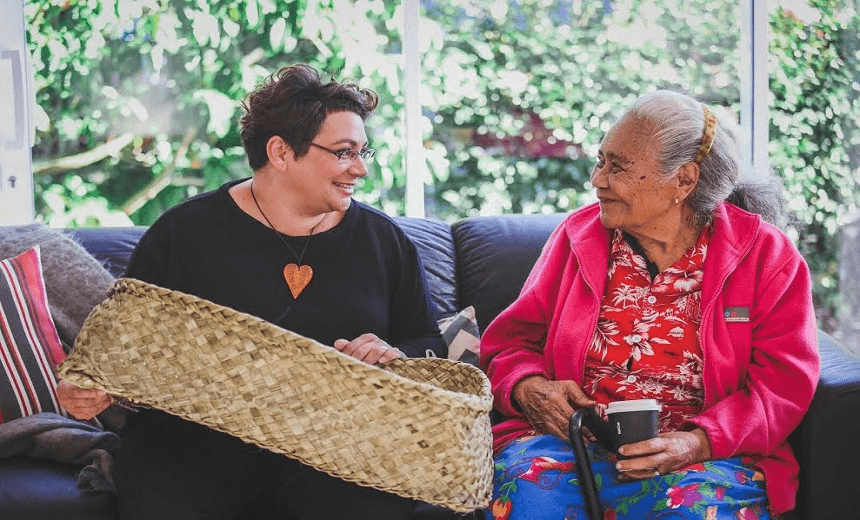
<point>414,331</point>
<point>149,258</point>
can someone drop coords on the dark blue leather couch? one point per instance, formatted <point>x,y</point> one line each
<point>483,261</point>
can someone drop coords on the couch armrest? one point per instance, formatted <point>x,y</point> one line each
<point>827,442</point>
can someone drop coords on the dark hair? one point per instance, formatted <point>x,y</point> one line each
<point>292,104</point>
<point>680,123</point>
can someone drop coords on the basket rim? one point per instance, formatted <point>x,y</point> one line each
<point>482,401</point>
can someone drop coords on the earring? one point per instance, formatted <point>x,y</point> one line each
<point>676,200</point>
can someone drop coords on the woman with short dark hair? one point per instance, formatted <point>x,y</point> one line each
<point>290,246</point>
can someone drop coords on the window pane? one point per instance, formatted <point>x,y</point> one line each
<point>521,92</point>
<point>815,146</point>
<point>139,99</point>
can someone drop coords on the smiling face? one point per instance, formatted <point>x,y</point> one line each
<point>628,178</point>
<point>323,182</point>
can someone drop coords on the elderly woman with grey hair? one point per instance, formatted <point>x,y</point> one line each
<point>665,289</point>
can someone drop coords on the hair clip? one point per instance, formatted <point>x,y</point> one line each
<point>707,137</point>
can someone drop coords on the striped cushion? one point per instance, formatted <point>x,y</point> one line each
<point>460,333</point>
<point>30,349</point>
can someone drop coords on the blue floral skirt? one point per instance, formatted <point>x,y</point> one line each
<point>536,478</point>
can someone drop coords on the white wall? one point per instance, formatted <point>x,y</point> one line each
<point>16,104</point>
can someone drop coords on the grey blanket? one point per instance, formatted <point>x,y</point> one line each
<point>54,437</point>
<point>75,284</point>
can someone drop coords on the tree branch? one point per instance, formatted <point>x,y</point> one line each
<point>162,180</point>
<point>84,159</point>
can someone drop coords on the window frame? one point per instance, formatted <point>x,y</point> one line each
<point>755,91</point>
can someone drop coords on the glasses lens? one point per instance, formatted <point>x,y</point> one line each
<point>347,156</point>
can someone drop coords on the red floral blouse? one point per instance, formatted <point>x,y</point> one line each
<point>646,343</point>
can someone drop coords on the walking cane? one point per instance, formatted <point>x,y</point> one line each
<point>598,428</point>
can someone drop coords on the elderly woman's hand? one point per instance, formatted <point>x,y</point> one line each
<point>548,405</point>
<point>368,348</point>
<point>82,403</point>
<point>664,454</point>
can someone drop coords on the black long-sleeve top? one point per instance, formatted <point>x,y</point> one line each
<point>367,276</point>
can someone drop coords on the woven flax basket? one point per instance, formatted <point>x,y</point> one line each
<point>415,427</point>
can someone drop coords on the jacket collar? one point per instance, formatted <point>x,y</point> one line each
<point>590,241</point>
<point>735,231</point>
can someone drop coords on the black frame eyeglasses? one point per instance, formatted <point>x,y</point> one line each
<point>348,155</point>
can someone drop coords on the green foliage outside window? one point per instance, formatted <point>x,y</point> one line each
<point>815,133</point>
<point>558,74</point>
<point>139,100</point>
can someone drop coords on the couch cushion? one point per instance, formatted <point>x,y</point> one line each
<point>30,348</point>
<point>494,257</point>
<point>436,249</point>
<point>35,489</point>
<point>112,247</point>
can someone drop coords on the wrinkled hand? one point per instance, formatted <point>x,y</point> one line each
<point>369,349</point>
<point>82,403</point>
<point>664,454</point>
<point>548,405</point>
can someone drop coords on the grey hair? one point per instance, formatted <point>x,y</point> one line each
<point>680,123</point>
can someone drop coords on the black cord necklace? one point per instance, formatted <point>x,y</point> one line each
<point>298,276</point>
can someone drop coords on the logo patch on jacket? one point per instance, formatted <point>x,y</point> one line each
<point>736,314</point>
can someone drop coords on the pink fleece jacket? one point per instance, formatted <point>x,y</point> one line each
<point>759,375</point>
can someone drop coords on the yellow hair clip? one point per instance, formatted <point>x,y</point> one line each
<point>707,136</point>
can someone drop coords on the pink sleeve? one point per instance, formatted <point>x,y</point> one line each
<point>512,346</point>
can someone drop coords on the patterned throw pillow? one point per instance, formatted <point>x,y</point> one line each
<point>461,334</point>
<point>30,348</point>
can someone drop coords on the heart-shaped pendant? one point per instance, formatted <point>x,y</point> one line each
<point>297,277</point>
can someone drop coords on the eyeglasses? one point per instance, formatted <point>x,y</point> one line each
<point>348,155</point>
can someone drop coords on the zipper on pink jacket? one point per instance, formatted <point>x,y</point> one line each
<point>594,323</point>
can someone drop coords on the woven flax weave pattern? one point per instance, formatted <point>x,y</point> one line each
<point>417,427</point>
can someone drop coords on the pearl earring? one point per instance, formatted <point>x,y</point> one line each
<point>676,201</point>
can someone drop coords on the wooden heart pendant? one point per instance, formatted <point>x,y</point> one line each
<point>297,277</point>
